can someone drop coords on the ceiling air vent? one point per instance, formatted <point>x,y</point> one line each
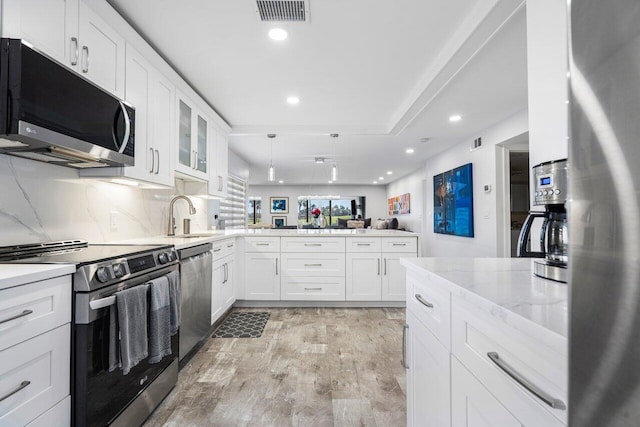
<point>282,11</point>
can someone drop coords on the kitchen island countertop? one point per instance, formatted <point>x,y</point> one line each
<point>505,288</point>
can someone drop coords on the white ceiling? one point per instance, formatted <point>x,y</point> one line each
<point>381,74</point>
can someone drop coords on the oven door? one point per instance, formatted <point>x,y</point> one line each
<point>100,396</point>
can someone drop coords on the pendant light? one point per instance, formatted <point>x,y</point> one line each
<point>334,168</point>
<point>272,171</point>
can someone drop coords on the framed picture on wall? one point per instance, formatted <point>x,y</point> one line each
<point>278,221</point>
<point>453,202</point>
<point>279,205</point>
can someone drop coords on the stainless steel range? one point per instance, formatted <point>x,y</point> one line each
<point>100,397</point>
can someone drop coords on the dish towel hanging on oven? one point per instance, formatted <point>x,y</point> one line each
<point>114,339</point>
<point>132,320</point>
<point>159,320</point>
<point>174,304</point>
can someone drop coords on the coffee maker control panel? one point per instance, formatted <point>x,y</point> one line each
<point>550,183</point>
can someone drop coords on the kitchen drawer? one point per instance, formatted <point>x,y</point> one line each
<point>430,301</point>
<point>476,334</point>
<point>223,248</point>
<point>307,264</point>
<point>59,415</point>
<point>313,288</point>
<point>42,306</point>
<point>262,244</point>
<point>363,244</point>
<point>42,365</point>
<point>313,244</point>
<point>400,244</point>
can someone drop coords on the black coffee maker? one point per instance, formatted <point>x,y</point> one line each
<point>550,180</point>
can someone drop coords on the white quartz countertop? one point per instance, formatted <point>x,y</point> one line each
<point>505,287</point>
<point>198,238</point>
<point>19,274</point>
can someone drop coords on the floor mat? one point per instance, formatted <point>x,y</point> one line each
<point>242,325</point>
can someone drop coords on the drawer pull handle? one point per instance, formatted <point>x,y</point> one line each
<point>313,244</point>
<point>313,265</point>
<point>536,391</point>
<point>262,244</point>
<point>17,316</point>
<point>363,244</point>
<point>424,301</point>
<point>405,328</point>
<point>312,289</point>
<point>22,385</point>
<point>230,246</point>
<point>217,250</point>
<point>399,244</point>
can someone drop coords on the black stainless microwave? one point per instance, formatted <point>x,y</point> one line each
<point>51,114</point>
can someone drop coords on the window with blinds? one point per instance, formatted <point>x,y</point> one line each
<point>233,209</point>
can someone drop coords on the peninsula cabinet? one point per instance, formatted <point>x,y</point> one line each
<point>223,293</point>
<point>70,32</point>
<point>262,268</point>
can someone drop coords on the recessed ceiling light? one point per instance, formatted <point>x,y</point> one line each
<point>409,151</point>
<point>278,34</point>
<point>319,160</point>
<point>293,100</point>
<point>389,173</point>
<point>281,182</point>
<point>381,178</point>
<point>455,118</point>
<point>375,182</point>
<point>330,182</point>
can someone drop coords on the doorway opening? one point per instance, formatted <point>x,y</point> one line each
<point>518,195</point>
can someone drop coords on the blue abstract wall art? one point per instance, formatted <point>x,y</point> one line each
<point>453,202</point>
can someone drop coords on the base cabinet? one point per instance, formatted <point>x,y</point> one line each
<point>428,383</point>
<point>472,405</point>
<point>394,277</point>
<point>262,276</point>
<point>364,281</point>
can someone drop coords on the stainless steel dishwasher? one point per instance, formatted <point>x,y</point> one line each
<point>195,297</point>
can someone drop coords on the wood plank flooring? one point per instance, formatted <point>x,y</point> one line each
<point>311,367</point>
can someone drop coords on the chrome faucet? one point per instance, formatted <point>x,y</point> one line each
<point>172,221</point>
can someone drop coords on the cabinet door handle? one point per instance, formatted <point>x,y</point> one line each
<point>76,53</point>
<point>17,316</point>
<point>424,301</point>
<point>313,244</point>
<point>385,266</point>
<point>226,273</point>
<point>22,385</point>
<point>276,266</point>
<point>193,158</point>
<point>157,162</point>
<point>313,265</point>
<point>153,160</point>
<point>85,50</point>
<point>217,250</point>
<point>230,245</point>
<point>405,328</point>
<point>524,382</point>
<point>312,289</point>
<point>378,266</point>
<point>219,183</point>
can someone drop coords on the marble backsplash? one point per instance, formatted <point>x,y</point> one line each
<point>41,202</point>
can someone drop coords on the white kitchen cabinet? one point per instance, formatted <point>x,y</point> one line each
<point>219,164</point>
<point>194,136</point>
<point>472,405</point>
<point>428,385</point>
<point>364,277</point>
<point>152,95</point>
<point>394,277</point>
<point>228,284</point>
<point>223,292</point>
<point>73,34</point>
<point>59,415</point>
<point>262,276</point>
<point>217,277</point>
<point>49,25</point>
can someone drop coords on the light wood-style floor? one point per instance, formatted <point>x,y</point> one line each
<point>311,367</point>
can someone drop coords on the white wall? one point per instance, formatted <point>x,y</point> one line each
<point>376,201</point>
<point>414,185</point>
<point>41,202</point>
<point>485,242</point>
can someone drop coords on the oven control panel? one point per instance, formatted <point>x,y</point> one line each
<point>94,276</point>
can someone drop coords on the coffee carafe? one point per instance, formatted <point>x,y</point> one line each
<point>550,180</point>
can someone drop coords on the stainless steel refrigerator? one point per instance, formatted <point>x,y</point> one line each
<point>604,213</point>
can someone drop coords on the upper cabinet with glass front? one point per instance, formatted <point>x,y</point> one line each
<point>73,34</point>
<point>193,140</point>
